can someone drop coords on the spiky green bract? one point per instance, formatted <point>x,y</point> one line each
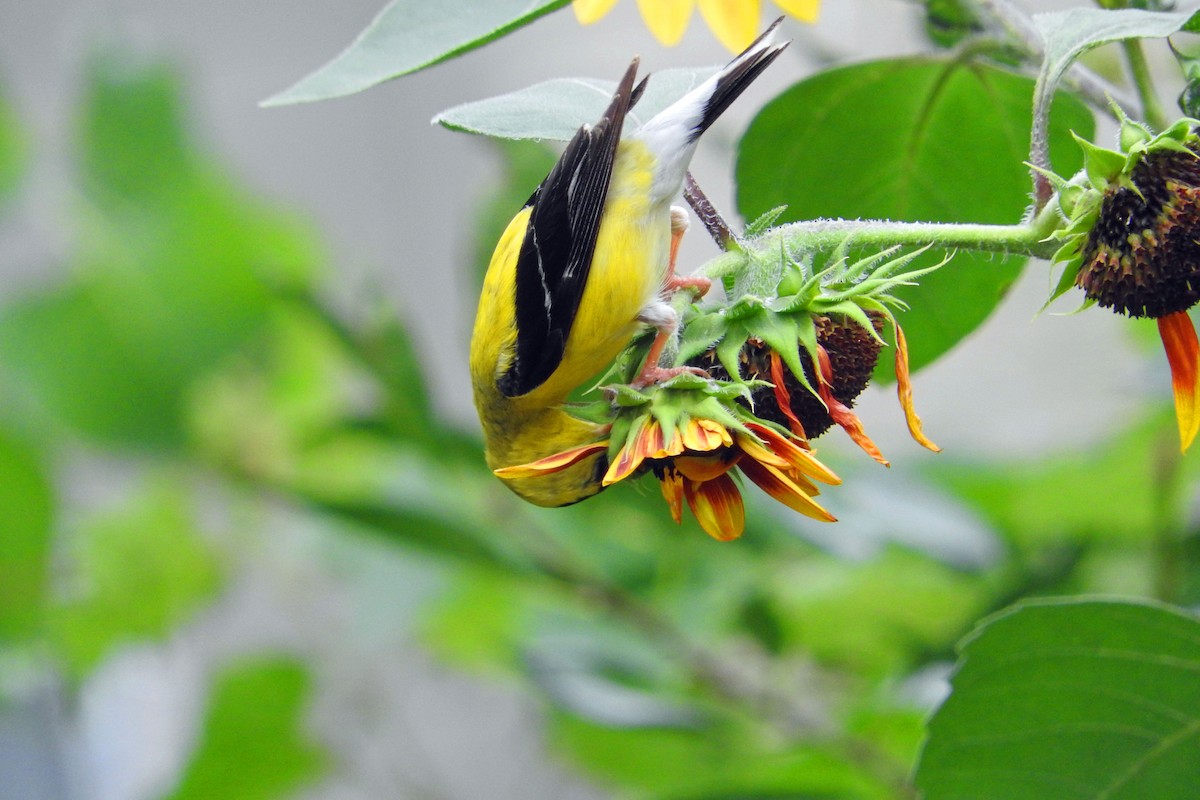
<point>1081,199</point>
<point>776,298</point>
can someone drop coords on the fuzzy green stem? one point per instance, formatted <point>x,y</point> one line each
<point>1028,238</point>
<point>1139,70</point>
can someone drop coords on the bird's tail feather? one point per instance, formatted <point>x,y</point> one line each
<point>739,73</point>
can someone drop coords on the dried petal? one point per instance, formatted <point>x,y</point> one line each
<point>671,484</point>
<point>904,392</point>
<point>843,416</point>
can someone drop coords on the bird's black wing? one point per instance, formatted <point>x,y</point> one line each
<point>556,254</point>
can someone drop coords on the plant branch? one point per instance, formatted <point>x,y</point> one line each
<point>712,220</point>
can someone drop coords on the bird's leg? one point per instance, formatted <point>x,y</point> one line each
<point>663,317</point>
<point>673,283</point>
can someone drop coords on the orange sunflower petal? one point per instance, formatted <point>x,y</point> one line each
<point>803,10</point>
<point>704,468</point>
<point>782,489</point>
<point>904,392</point>
<point>794,456</point>
<point>666,19</point>
<point>841,413</point>
<point>551,464</point>
<point>671,484</point>
<point>589,11</point>
<point>733,22</point>
<point>718,507</point>
<point>647,440</point>
<point>783,398</point>
<point>1183,354</point>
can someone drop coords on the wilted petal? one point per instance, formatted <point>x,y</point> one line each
<point>783,398</point>
<point>666,19</point>
<point>803,10</point>
<point>672,490</point>
<point>755,450</point>
<point>904,392</point>
<point>554,463</point>
<point>841,413</point>
<point>733,22</point>
<point>589,11</point>
<point>1179,339</point>
<point>704,468</point>
<point>717,505</point>
<point>781,488</point>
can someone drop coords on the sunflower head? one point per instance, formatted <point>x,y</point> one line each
<point>1134,221</point>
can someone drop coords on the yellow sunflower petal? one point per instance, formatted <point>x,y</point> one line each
<point>666,19</point>
<point>782,489</point>
<point>589,11</point>
<point>718,507</point>
<point>803,10</point>
<point>904,392</point>
<point>733,22</point>
<point>702,435</point>
<point>551,464</point>
<point>672,491</point>
<point>1183,354</point>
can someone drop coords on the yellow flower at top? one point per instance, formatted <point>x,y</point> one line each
<point>734,22</point>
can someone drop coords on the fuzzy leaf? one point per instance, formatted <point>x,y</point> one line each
<point>555,109</point>
<point>409,35</point>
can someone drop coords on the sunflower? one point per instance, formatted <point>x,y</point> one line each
<point>1132,243</point>
<point>693,440</point>
<point>735,23</point>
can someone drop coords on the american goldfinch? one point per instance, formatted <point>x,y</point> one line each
<point>586,262</point>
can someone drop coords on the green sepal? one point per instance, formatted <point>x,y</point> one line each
<point>729,350</point>
<point>625,396</point>
<point>1101,164</point>
<point>699,334</point>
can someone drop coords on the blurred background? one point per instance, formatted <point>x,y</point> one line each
<point>248,547</point>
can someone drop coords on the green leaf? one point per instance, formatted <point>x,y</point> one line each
<point>555,109</point>
<point>1068,34</point>
<point>133,574</point>
<point>409,35</point>
<point>932,140</point>
<point>26,509</point>
<point>252,746</point>
<point>1071,700</point>
<point>176,269</point>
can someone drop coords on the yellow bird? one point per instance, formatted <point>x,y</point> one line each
<point>586,262</point>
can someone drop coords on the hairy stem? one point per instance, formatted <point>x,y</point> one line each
<point>822,235</point>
